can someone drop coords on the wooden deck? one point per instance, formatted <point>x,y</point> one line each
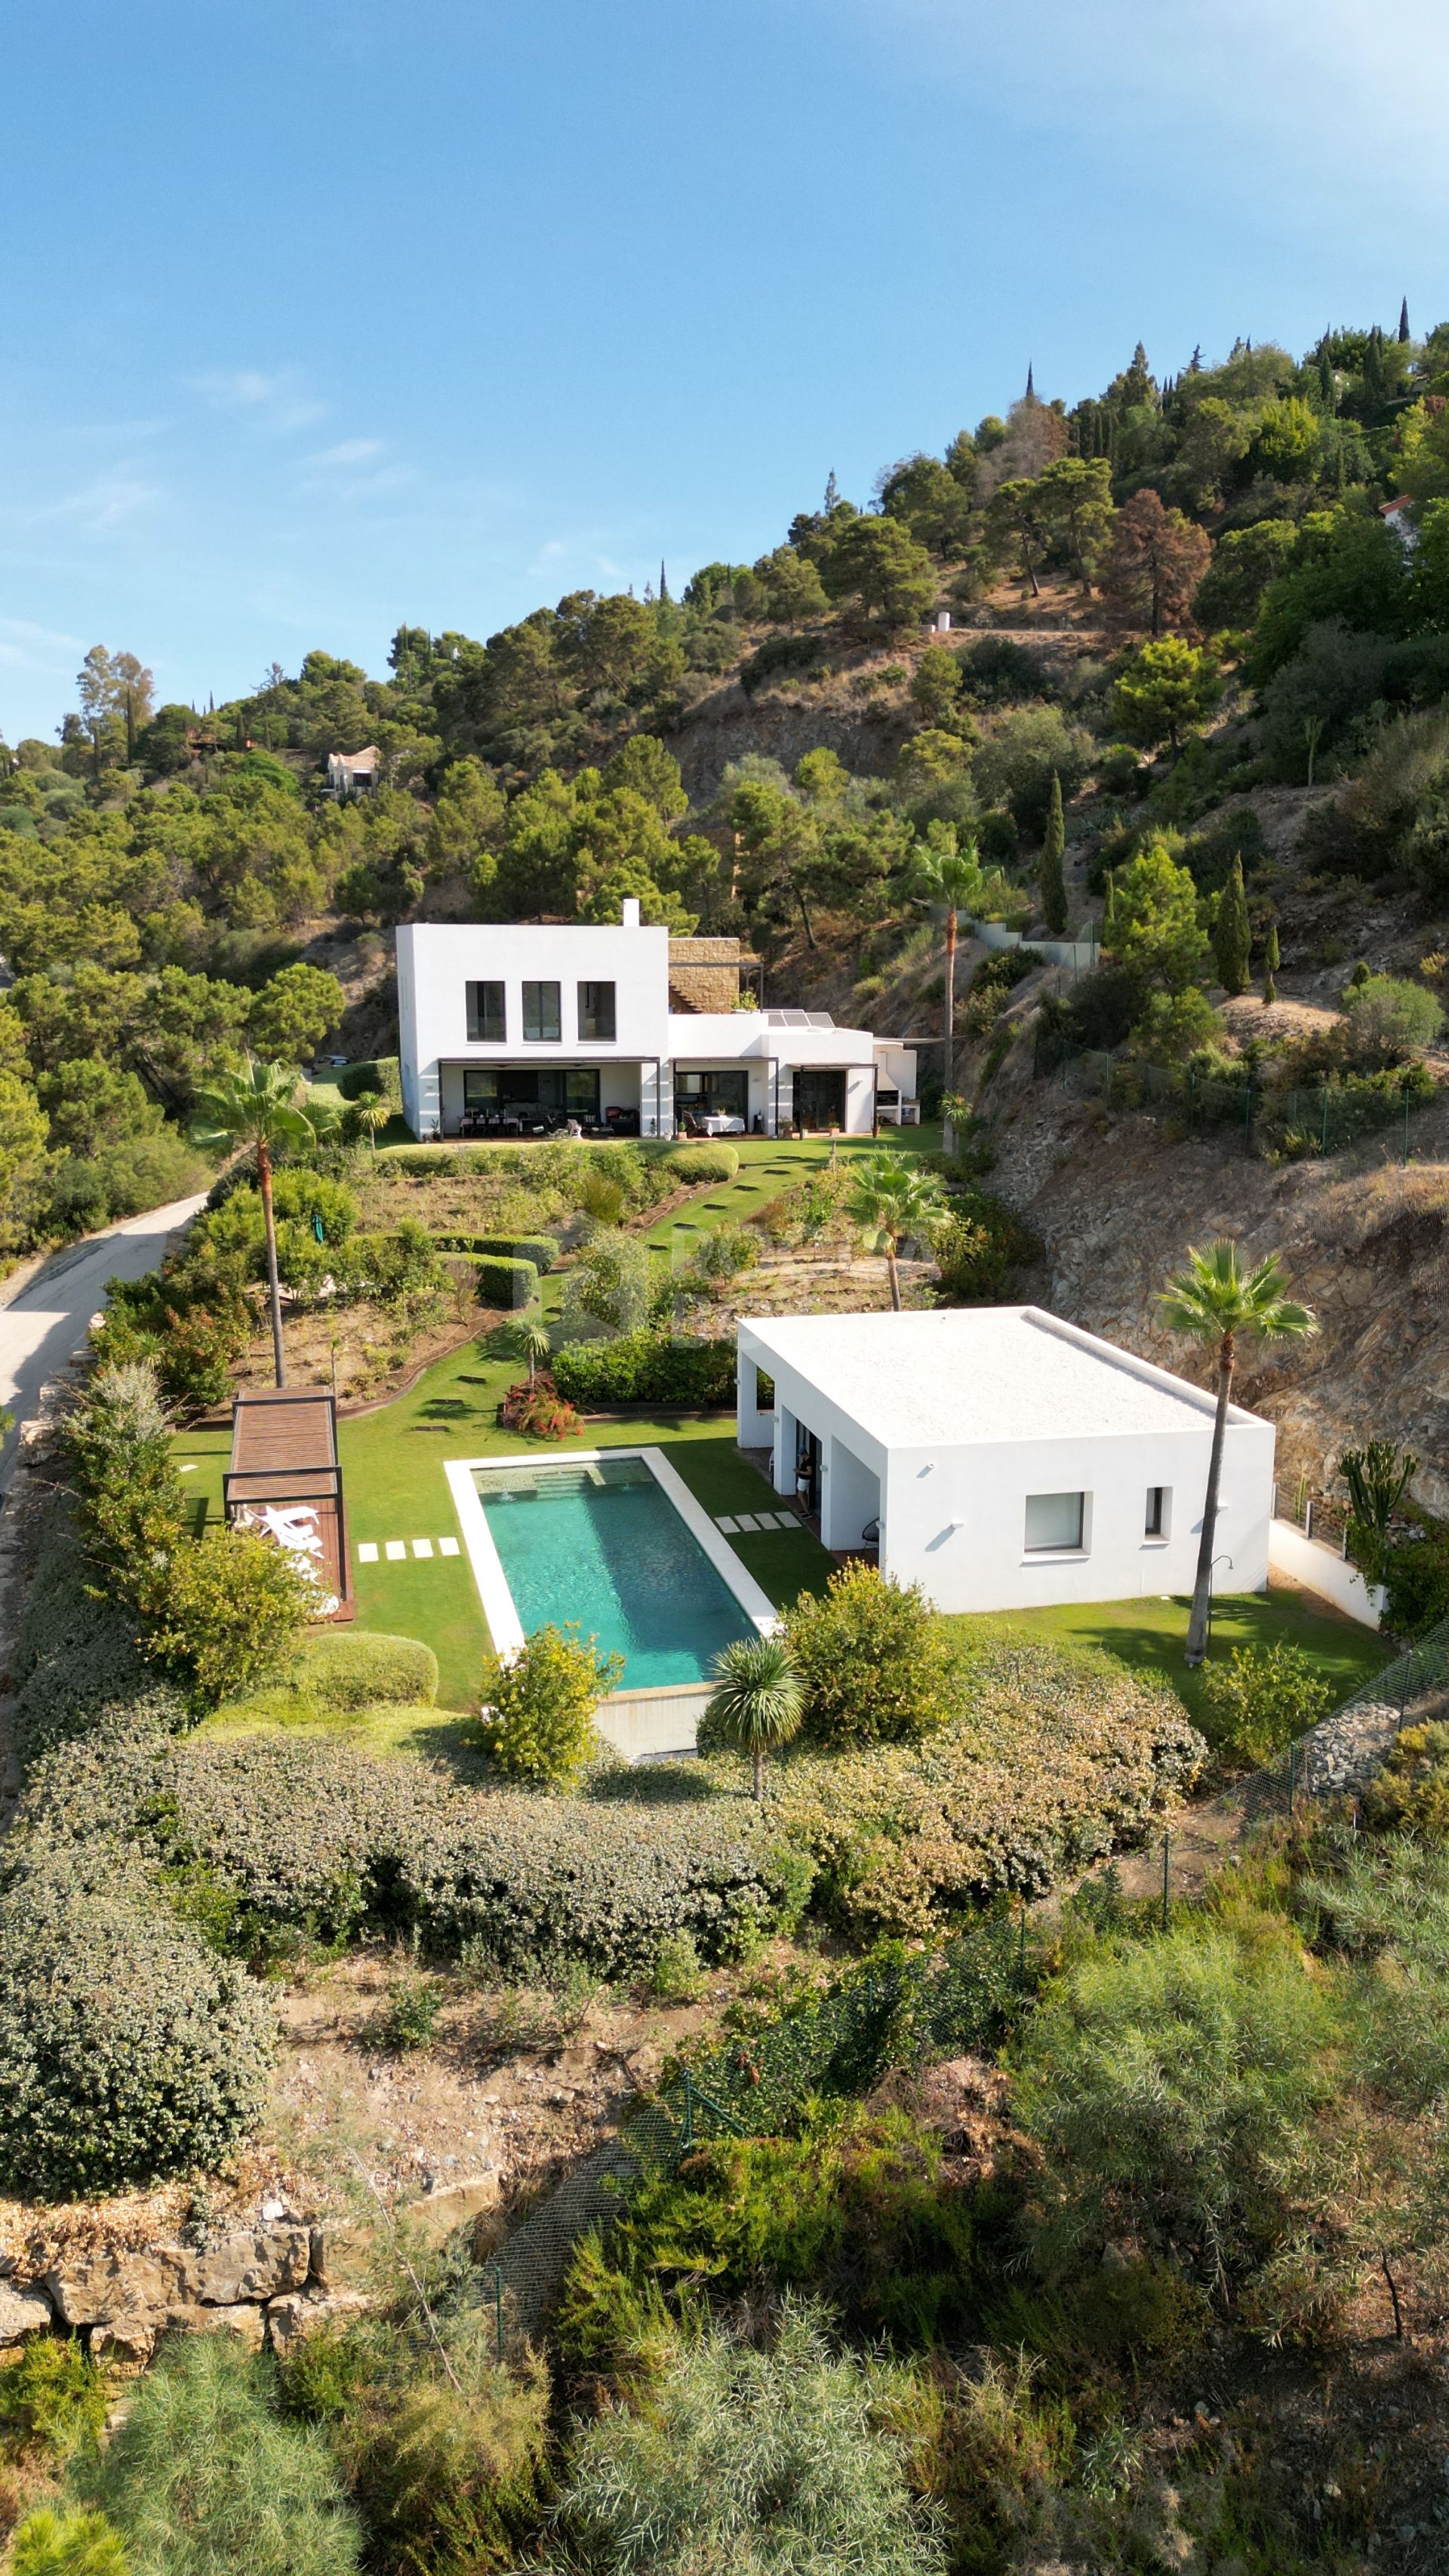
<point>284,1461</point>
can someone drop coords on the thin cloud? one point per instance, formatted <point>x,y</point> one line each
<point>278,402</point>
<point>108,501</point>
<point>349,451</point>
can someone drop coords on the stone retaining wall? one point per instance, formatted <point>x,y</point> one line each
<point>264,2284</point>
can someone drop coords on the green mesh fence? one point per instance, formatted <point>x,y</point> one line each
<point>831,2047</point>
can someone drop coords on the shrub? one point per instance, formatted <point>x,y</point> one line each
<point>1171,2085</point>
<point>1411,1792</point>
<point>225,1612</point>
<point>204,2475</point>
<point>52,2397</point>
<point>535,1405</point>
<point>869,1653</point>
<point>348,1670</point>
<point>1260,1700</point>
<point>677,1976</point>
<point>541,1249</point>
<point>646,1367</point>
<point>68,2543</point>
<point>1390,1019</point>
<point>446,2465</point>
<point>715,1161</point>
<point>127,2052</point>
<point>291,1835</point>
<point>537,1721</point>
<point>610,1284</point>
<point>754,2460</point>
<point>379,1079</point>
<point>1051,1759</point>
<point>130,1498</point>
<point>507,1283</point>
<point>1416,1580</point>
<point>980,1247</point>
<point>78,1665</point>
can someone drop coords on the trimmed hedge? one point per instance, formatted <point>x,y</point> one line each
<point>78,1665</point>
<point>710,1162</point>
<point>511,1284</point>
<point>379,1078</point>
<point>648,1368</point>
<point>289,1833</point>
<point>353,1670</point>
<point>127,2050</point>
<point>541,1249</point>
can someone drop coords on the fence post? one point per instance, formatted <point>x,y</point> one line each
<point>1021,1946</point>
<point>498,2307</point>
<point>1323,1132</point>
<point>1292,1774</point>
<point>687,2141</point>
<point>1166,1878</point>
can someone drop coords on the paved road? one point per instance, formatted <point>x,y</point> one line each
<point>46,1323</point>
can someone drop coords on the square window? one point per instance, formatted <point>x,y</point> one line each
<point>541,1011</point>
<point>596,1011</point>
<point>487,1016</point>
<point>1054,1520</point>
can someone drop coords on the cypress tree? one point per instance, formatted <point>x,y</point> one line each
<point>1051,881</point>
<point>1232,937</point>
<point>1270,964</point>
<point>1404,333</point>
<point>1109,910</point>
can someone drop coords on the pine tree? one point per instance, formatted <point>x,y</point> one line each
<point>1232,936</point>
<point>663,584</point>
<point>1404,333</point>
<point>1051,882</point>
<point>1030,386</point>
<point>1270,964</point>
<point>832,492</point>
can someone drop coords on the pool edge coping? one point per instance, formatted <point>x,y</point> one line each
<point>500,1614</point>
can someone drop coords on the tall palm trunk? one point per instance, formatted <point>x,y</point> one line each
<point>274,1289</point>
<point>950,1083</point>
<point>1202,1590</point>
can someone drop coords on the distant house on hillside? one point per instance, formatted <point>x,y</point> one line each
<point>1395,515</point>
<point>353,773</point>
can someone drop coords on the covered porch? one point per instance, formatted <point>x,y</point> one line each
<point>598,1097</point>
<point>837,1490</point>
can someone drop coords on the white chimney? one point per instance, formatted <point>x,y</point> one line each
<point>629,912</point>
<point>943,621</point>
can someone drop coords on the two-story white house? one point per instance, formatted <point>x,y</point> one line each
<point>521,1027</point>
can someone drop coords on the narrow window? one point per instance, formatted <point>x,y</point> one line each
<point>1159,1500</point>
<point>487,1017</point>
<point>596,1010</point>
<point>541,1011</point>
<point>1053,1521</point>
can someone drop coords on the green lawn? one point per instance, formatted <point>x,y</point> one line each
<point>1151,1635</point>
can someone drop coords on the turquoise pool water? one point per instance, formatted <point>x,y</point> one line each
<point>602,1544</point>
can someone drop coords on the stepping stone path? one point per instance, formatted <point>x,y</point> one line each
<point>731,1522</point>
<point>395,1549</point>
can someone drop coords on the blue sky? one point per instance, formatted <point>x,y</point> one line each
<point>325,314</point>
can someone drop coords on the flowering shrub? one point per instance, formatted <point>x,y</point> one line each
<point>537,1721</point>
<point>536,1406</point>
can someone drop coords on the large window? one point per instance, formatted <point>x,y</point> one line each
<point>1054,1521</point>
<point>712,1094</point>
<point>596,1011</point>
<point>554,1091</point>
<point>541,1011</point>
<point>487,1017</point>
<point>819,1098</point>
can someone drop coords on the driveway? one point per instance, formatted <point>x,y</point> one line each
<point>45,1324</point>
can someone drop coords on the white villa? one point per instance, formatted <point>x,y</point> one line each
<point>511,1028</point>
<point>1002,1458</point>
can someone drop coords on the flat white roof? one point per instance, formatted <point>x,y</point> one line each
<point>950,1377</point>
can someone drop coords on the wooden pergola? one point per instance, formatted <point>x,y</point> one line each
<point>285,1481</point>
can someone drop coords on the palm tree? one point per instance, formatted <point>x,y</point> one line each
<point>528,1340</point>
<point>890,1199</point>
<point>948,877</point>
<point>257,1107</point>
<point>759,1699</point>
<point>1215,1301</point>
<point>370,1113</point>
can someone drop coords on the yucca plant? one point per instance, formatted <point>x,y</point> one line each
<point>759,1699</point>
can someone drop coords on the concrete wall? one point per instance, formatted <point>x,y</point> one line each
<point>1081,953</point>
<point>754,1427</point>
<point>1323,1570</point>
<point>954,1520</point>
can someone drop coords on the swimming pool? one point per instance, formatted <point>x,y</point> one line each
<point>616,1542</point>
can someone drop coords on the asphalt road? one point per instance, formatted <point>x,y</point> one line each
<point>46,1323</point>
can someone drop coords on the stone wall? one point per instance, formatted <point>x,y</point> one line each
<point>266,2283</point>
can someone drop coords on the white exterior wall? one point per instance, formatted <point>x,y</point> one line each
<point>1323,1570</point>
<point>953,1518</point>
<point>724,1041</point>
<point>436,962</point>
